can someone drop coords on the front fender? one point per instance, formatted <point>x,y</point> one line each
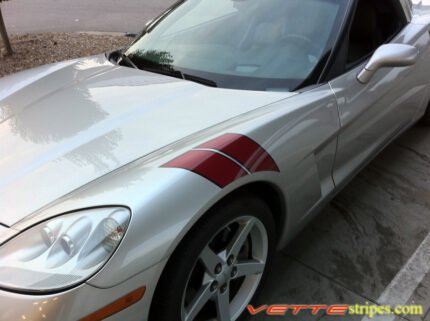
<point>168,202</point>
<point>164,204</point>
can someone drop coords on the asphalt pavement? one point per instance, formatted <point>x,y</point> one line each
<point>30,16</point>
<point>370,246</point>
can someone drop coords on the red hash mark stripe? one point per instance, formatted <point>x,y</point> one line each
<point>214,167</point>
<point>246,151</point>
<point>220,169</point>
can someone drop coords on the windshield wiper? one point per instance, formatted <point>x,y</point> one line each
<point>124,58</point>
<point>200,80</point>
<point>181,75</point>
<point>121,57</point>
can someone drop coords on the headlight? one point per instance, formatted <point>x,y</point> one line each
<point>63,251</point>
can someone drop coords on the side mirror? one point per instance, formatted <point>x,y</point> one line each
<point>391,55</point>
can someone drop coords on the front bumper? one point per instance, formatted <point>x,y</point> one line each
<point>81,302</point>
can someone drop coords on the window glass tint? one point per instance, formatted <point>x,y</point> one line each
<point>375,23</point>
<point>243,44</point>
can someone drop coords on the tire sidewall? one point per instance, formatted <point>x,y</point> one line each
<point>168,297</point>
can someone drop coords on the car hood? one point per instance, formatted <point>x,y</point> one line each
<point>65,125</point>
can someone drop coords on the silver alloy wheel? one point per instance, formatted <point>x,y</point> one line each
<point>231,268</point>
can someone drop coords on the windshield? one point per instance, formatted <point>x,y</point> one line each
<point>268,45</point>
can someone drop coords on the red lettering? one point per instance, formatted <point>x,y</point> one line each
<point>254,311</point>
<point>277,310</point>
<point>338,310</point>
<point>317,308</point>
<point>297,308</point>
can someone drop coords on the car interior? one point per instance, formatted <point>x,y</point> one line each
<point>268,40</point>
<point>375,23</point>
<point>263,43</point>
<point>275,44</point>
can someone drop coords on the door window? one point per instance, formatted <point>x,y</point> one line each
<point>375,23</point>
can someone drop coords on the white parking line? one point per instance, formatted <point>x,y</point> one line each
<point>403,286</point>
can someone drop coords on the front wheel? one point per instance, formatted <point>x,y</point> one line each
<point>219,267</point>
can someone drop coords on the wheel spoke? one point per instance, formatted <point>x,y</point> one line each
<point>241,248</point>
<point>210,260</point>
<point>223,305</point>
<point>200,300</point>
<point>240,238</point>
<point>246,268</point>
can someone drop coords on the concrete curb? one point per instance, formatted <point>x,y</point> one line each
<point>101,33</point>
<point>91,33</point>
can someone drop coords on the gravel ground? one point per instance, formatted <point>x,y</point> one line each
<point>38,49</point>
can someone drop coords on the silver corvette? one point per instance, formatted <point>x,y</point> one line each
<point>155,182</point>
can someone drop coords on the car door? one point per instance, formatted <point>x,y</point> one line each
<point>372,114</point>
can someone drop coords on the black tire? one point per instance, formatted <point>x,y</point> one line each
<point>168,299</point>
<point>425,121</point>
